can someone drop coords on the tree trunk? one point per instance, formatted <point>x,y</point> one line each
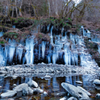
<point>49,8</point>
<point>20,12</point>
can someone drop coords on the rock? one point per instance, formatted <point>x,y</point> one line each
<point>26,90</point>
<point>7,68</point>
<point>22,89</point>
<point>78,82</point>
<point>8,94</point>
<point>45,93</point>
<point>14,77</point>
<point>0,87</point>
<point>89,94</point>
<point>64,98</point>
<point>14,85</point>
<point>74,71</point>
<point>19,93</point>
<point>75,91</point>
<point>71,89</point>
<point>37,90</point>
<point>72,98</point>
<point>32,83</point>
<point>47,77</point>
<point>60,94</point>
<point>98,96</point>
<point>96,82</point>
<point>10,99</point>
<point>70,31</point>
<point>3,72</point>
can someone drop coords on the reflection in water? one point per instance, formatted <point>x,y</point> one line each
<point>55,84</point>
<point>51,86</point>
<point>49,82</point>
<point>7,85</point>
<point>68,79</point>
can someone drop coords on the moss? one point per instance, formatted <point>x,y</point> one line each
<point>98,29</point>
<point>70,19</point>
<point>40,36</point>
<point>21,19</point>
<point>10,35</point>
<point>2,42</point>
<point>15,37</point>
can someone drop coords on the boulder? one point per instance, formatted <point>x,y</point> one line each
<point>14,77</point>
<point>72,98</point>
<point>75,91</point>
<point>60,94</point>
<point>14,85</point>
<point>0,87</point>
<point>78,82</point>
<point>8,94</point>
<point>64,98</point>
<point>3,72</point>
<point>26,90</point>
<point>98,96</point>
<point>20,90</point>
<point>45,93</point>
<point>32,83</point>
<point>89,94</point>
<point>96,82</point>
<point>37,90</point>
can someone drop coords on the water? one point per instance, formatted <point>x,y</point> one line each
<point>52,86</point>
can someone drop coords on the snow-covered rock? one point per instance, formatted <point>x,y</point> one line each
<point>32,83</point>
<point>75,91</point>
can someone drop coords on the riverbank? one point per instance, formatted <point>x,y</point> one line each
<point>46,69</point>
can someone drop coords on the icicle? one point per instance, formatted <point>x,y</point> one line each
<point>2,58</point>
<point>1,34</point>
<point>43,49</point>
<point>54,58</point>
<point>76,58</point>
<point>11,49</point>
<point>73,60</point>
<point>88,34</point>
<point>99,49</point>
<point>49,58</point>
<point>39,51</point>
<point>48,27</point>
<point>19,52</point>
<point>62,30</point>
<point>51,35</point>
<point>66,55</point>
<point>29,51</point>
<point>69,58</point>
<point>13,26</point>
